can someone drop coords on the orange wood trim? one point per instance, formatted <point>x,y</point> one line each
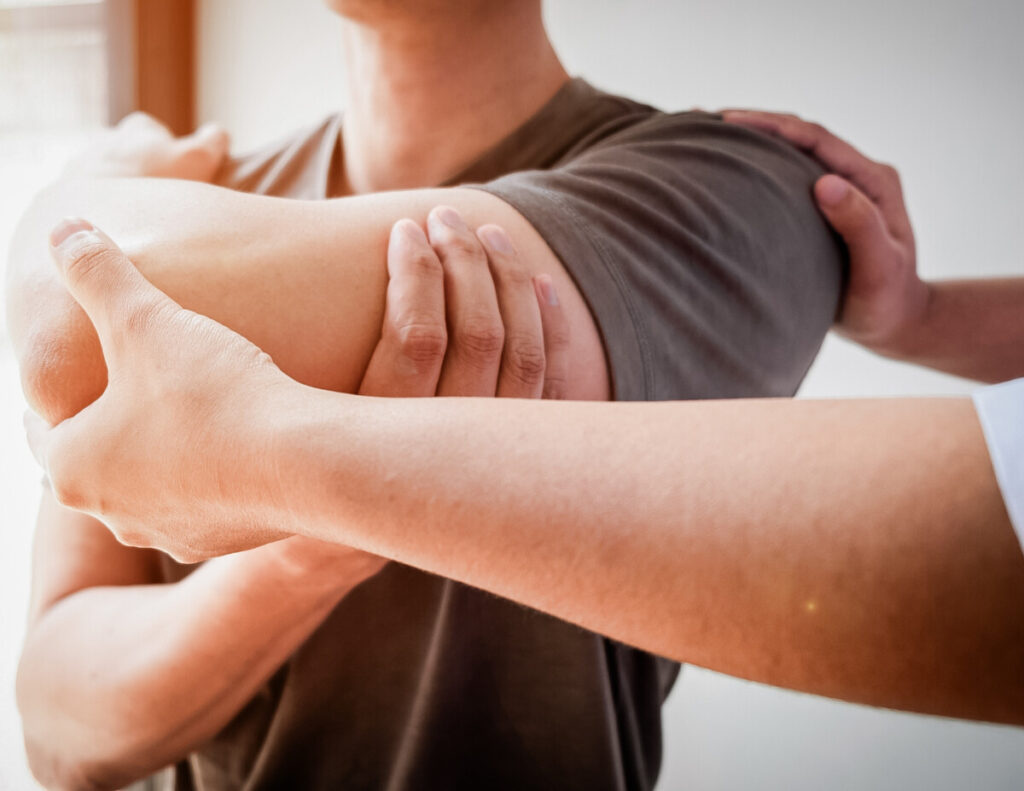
<point>152,60</point>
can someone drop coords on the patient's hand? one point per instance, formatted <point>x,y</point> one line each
<point>863,200</point>
<point>140,146</point>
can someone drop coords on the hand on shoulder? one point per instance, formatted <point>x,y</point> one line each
<point>863,200</point>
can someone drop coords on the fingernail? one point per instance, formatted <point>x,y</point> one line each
<point>832,189</point>
<point>547,289</point>
<point>451,218</point>
<point>496,239</point>
<point>67,228</point>
<point>410,231</point>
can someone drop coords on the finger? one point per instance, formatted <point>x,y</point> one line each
<point>522,359</point>
<point>141,120</point>
<point>475,333</point>
<point>198,156</point>
<point>879,182</point>
<point>859,222</point>
<point>101,278</point>
<point>407,360</point>
<point>37,432</point>
<point>556,338</point>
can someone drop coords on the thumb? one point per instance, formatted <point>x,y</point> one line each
<point>101,278</point>
<point>855,218</point>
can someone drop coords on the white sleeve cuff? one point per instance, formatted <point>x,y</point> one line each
<point>1001,412</point>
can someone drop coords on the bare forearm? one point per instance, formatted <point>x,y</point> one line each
<point>970,328</point>
<point>303,280</point>
<point>858,550</point>
<point>117,682</point>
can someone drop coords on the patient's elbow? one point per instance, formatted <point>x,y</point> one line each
<point>61,373</point>
<point>59,774</point>
<point>55,775</point>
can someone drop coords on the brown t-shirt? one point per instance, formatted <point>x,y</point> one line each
<point>710,274</point>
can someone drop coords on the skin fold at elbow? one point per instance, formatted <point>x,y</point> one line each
<point>62,370</point>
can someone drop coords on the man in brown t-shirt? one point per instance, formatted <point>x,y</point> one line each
<point>707,272</point>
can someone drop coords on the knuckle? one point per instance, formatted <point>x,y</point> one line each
<point>422,261</point>
<point>67,492</point>
<point>889,173</point>
<point>186,555</point>
<point>87,258</point>
<point>864,214</point>
<point>196,157</point>
<point>513,274</point>
<point>554,388</point>
<point>195,162</point>
<point>130,537</point>
<point>423,343</point>
<point>464,245</point>
<point>558,336</point>
<point>480,338</point>
<point>136,320</point>
<point>524,360</point>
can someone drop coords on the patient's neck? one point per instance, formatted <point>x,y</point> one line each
<point>426,96</point>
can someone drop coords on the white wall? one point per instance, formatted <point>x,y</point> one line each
<point>931,86</point>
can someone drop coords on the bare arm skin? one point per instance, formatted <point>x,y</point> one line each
<point>971,328</point>
<point>176,662</point>
<point>120,676</point>
<point>303,280</point>
<point>108,683</point>
<point>859,550</point>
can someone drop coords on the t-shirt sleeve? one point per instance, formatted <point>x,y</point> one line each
<point>698,248</point>
<point>1001,412</point>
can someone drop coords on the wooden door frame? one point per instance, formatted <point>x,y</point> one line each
<point>151,46</point>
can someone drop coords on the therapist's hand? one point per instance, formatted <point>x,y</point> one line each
<point>508,337</point>
<point>176,453</point>
<point>885,300</point>
<point>464,317</point>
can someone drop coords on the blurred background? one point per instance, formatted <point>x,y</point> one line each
<point>933,86</point>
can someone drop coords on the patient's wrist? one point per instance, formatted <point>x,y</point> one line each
<point>311,459</point>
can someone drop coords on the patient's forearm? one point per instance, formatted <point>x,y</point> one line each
<point>118,680</point>
<point>303,280</point>
<point>859,550</point>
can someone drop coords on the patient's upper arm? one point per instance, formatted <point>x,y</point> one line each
<point>303,280</point>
